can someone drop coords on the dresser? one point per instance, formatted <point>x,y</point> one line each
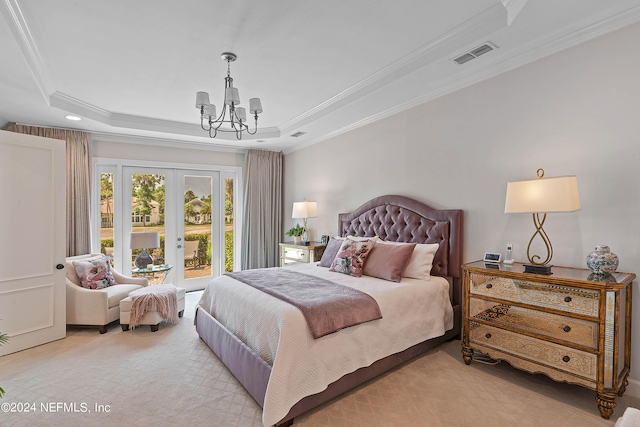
<point>573,326</point>
<point>291,253</point>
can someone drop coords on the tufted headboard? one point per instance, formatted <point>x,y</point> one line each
<point>401,219</point>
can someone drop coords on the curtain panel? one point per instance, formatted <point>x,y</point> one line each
<point>261,230</point>
<point>78,159</point>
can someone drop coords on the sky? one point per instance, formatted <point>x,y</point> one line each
<point>200,185</point>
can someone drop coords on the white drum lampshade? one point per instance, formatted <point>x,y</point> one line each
<point>144,241</point>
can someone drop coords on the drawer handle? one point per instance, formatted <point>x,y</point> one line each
<point>487,336</point>
<point>489,286</point>
<point>567,328</point>
<point>567,299</point>
<point>566,359</point>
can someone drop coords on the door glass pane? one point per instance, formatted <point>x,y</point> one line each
<point>106,214</point>
<point>228,225</point>
<point>197,226</point>
<point>147,205</point>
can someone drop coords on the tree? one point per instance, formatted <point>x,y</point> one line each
<point>106,194</point>
<point>143,188</point>
<point>189,212</point>
<point>159,196</point>
<point>189,195</point>
<point>228,189</point>
<point>228,200</point>
<point>228,211</point>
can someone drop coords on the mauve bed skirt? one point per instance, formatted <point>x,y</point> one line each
<point>253,372</point>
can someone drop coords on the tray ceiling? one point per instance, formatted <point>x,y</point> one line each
<point>130,70</point>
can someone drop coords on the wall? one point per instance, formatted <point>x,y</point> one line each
<point>572,113</point>
<point>132,151</point>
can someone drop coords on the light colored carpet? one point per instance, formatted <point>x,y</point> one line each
<point>170,377</point>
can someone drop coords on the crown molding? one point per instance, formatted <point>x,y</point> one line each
<point>514,7</point>
<point>81,108</point>
<point>493,19</point>
<point>128,121</point>
<point>149,140</point>
<point>18,25</point>
<point>520,57</point>
<point>486,22</point>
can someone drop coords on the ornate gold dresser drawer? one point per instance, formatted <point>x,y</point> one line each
<point>539,294</point>
<point>566,329</point>
<point>552,324</point>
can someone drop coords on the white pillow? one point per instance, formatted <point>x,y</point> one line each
<point>421,261</point>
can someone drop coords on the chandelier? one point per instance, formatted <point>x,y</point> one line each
<point>232,118</point>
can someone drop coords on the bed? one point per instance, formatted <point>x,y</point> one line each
<point>266,344</point>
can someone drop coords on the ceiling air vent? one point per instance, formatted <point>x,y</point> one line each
<point>297,134</point>
<point>474,53</point>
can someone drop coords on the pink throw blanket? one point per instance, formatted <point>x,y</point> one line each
<point>327,306</point>
<point>162,298</point>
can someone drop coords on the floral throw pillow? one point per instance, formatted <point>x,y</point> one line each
<point>94,273</point>
<point>351,257</point>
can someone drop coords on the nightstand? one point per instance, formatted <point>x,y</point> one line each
<point>573,326</point>
<point>291,253</point>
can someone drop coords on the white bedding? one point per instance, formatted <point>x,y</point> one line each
<point>412,311</point>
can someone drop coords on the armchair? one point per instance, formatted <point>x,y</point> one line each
<point>96,307</point>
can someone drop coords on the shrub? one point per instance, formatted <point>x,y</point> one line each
<point>228,250</point>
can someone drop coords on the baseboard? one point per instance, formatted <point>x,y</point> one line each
<point>633,389</point>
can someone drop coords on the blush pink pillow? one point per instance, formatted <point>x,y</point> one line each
<point>388,262</point>
<point>330,252</point>
<point>421,261</point>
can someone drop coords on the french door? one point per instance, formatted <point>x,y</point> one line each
<point>193,210</point>
<point>198,240</point>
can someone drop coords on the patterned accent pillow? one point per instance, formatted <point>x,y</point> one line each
<point>351,257</point>
<point>95,273</point>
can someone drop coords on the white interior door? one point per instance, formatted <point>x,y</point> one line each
<point>33,230</point>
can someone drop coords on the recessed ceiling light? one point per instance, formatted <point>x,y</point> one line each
<point>72,118</point>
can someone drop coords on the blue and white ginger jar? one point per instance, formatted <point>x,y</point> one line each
<point>602,260</point>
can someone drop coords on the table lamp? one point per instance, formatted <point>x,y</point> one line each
<point>305,210</point>
<point>542,196</point>
<point>143,241</point>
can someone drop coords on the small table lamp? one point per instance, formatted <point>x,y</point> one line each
<point>305,210</point>
<point>536,196</point>
<point>144,241</point>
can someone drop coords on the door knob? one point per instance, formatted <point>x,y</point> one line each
<point>60,266</point>
<point>179,239</point>
<point>179,246</point>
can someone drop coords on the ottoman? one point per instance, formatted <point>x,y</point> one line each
<point>151,318</point>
